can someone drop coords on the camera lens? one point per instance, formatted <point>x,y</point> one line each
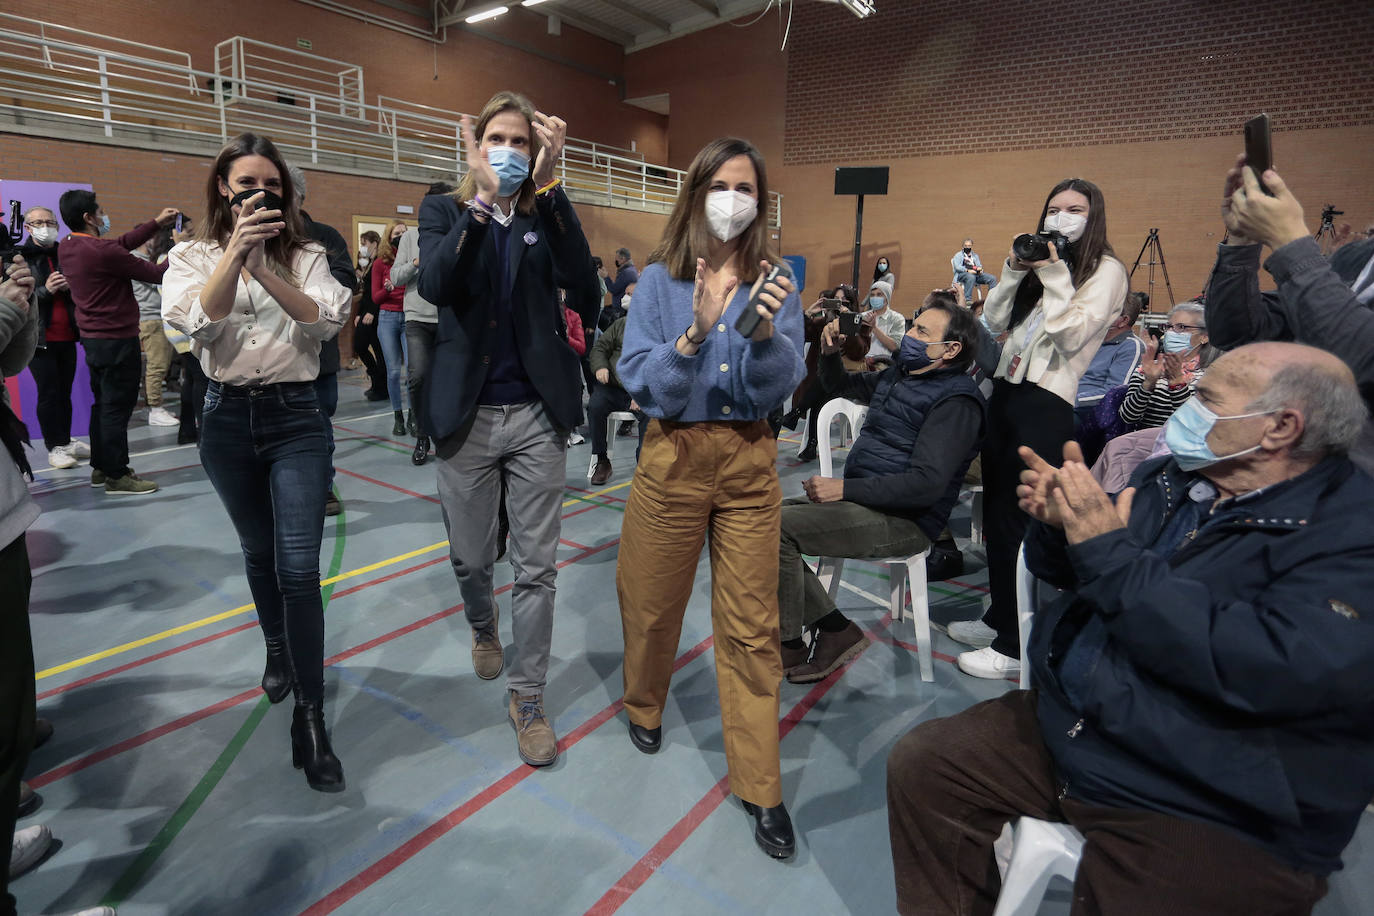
<point>1029,247</point>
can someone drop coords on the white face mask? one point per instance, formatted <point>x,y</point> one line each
<point>728,213</point>
<point>1070,224</point>
<point>44,235</point>
<point>625,301</point>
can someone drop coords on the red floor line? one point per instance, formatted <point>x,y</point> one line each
<point>644,869</point>
<point>389,486</point>
<point>388,577</point>
<point>912,647</point>
<point>359,432</point>
<point>143,738</point>
<point>976,588</point>
<point>573,544</point>
<point>422,840</point>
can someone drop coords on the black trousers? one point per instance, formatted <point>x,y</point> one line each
<point>54,369</point>
<point>953,783</point>
<point>1024,414</point>
<point>420,346</point>
<point>116,367</point>
<point>192,395</point>
<point>604,400</point>
<point>369,349</point>
<point>16,692</point>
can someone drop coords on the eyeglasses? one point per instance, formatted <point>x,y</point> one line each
<point>1183,327</point>
<point>42,224</point>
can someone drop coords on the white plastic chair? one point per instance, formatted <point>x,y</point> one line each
<point>852,411</point>
<point>975,527</point>
<point>613,420</point>
<point>906,575</point>
<point>1040,849</point>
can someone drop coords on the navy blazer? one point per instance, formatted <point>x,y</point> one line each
<point>460,273</point>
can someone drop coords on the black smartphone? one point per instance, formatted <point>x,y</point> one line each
<point>850,323</point>
<point>178,225</point>
<point>749,319</point>
<point>832,305</point>
<point>1259,151</point>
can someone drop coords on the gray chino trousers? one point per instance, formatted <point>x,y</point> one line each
<point>520,442</point>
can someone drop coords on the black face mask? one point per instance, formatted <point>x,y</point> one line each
<point>968,250</point>
<point>270,200</point>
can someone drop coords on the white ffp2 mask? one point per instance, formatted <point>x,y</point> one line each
<point>728,213</point>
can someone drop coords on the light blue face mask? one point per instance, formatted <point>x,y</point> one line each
<point>1186,435</point>
<point>105,224</point>
<point>1177,342</point>
<point>876,302</point>
<point>512,167</point>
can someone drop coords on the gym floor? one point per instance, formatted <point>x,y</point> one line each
<point>169,782</point>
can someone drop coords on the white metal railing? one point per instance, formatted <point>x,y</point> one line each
<point>80,87</point>
<point>246,68</point>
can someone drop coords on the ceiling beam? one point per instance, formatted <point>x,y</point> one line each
<point>706,6</point>
<point>663,25</point>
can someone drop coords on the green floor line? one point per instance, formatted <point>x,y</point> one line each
<point>129,880</point>
<point>588,499</point>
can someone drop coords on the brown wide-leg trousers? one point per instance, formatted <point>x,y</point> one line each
<point>718,482</point>
<point>953,783</point>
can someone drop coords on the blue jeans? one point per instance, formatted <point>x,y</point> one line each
<point>967,280</point>
<point>391,331</point>
<point>265,452</point>
<point>327,390</point>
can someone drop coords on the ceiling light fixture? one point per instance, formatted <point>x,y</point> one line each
<point>860,8</point>
<point>486,14</point>
<point>531,2</point>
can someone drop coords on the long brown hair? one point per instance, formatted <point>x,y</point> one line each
<point>505,100</point>
<point>385,250</point>
<point>687,235</point>
<point>219,220</point>
<point>1083,256</point>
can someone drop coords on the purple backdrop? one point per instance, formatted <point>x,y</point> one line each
<point>46,194</point>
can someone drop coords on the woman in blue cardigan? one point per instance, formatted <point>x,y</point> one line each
<point>709,466</point>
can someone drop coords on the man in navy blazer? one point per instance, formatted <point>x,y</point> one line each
<point>504,388</point>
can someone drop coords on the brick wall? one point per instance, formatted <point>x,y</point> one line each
<point>952,77</point>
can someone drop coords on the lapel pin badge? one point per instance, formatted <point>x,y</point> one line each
<point>531,238</point>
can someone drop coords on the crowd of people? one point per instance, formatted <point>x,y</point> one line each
<point>1198,500</point>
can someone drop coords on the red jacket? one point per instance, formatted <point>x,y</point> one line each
<point>98,271</point>
<point>392,301</point>
<point>577,337</point>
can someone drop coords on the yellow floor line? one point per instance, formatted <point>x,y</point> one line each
<point>244,609</point>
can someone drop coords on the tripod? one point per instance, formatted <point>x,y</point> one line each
<point>1326,232</point>
<point>1156,257</point>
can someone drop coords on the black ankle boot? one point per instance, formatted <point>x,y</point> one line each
<point>421,453</point>
<point>411,426</point>
<point>791,418</point>
<point>310,748</point>
<point>399,429</point>
<point>277,678</point>
<point>773,830</point>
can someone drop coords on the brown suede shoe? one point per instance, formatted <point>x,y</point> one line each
<point>602,472</point>
<point>794,658</point>
<point>488,658</point>
<point>534,737</point>
<point>830,652</point>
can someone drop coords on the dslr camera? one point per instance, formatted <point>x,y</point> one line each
<point>1036,246</point>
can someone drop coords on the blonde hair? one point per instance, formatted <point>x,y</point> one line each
<point>504,100</point>
<point>385,251</point>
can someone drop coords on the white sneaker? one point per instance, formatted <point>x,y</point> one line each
<point>971,633</point>
<point>988,662</point>
<point>61,457</point>
<point>29,846</point>
<point>158,416</point>
<point>78,448</point>
<point>576,438</point>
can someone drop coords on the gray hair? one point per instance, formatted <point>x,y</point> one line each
<point>623,254</point>
<point>1194,309</point>
<point>298,182</point>
<point>1332,410</point>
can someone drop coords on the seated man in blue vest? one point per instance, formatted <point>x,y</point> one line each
<point>925,424</point>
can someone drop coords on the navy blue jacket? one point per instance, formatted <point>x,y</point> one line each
<point>462,275</point>
<point>1227,682</point>
<point>902,463</point>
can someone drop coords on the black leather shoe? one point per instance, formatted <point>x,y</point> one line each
<point>372,394</point>
<point>773,830</point>
<point>278,676</point>
<point>29,801</point>
<point>808,453</point>
<point>42,731</point>
<point>411,426</point>
<point>943,564</point>
<point>399,427</point>
<point>648,740</point>
<point>310,750</point>
<point>791,419</point>
<point>421,453</point>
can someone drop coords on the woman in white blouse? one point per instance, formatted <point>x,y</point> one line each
<point>1055,312</point>
<point>256,298</point>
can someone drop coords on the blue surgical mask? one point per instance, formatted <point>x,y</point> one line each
<point>1187,430</point>
<point>1177,342</point>
<point>105,224</point>
<point>913,353</point>
<point>876,302</point>
<point>512,168</point>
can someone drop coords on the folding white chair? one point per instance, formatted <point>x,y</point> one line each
<point>1040,849</point>
<point>906,575</point>
<point>613,420</point>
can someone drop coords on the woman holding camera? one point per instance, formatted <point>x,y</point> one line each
<point>1055,302</point>
<point>256,298</point>
<point>709,467</point>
